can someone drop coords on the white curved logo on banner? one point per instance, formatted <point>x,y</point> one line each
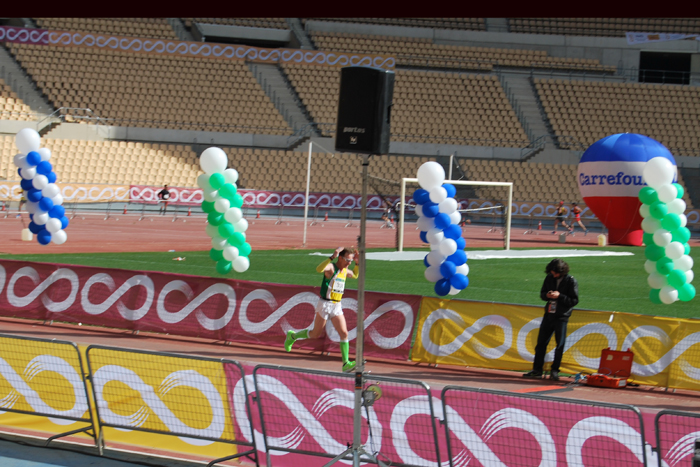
<point>668,358</point>
<point>682,449</point>
<point>390,342</point>
<point>206,322</point>
<point>3,276</point>
<point>278,313</point>
<point>37,365</point>
<point>153,401</point>
<point>56,276</point>
<point>607,427</point>
<point>124,311</point>
<point>404,410</point>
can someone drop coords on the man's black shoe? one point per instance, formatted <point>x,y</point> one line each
<point>533,374</point>
<point>554,375</point>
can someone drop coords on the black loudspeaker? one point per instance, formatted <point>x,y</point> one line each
<point>364,110</point>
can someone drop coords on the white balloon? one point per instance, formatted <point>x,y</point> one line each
<point>677,206</point>
<point>209,195</point>
<point>430,175</point>
<point>45,154</point>
<point>230,253</point>
<point>456,217</point>
<point>684,263</point>
<point>57,200</point>
<point>221,205</point>
<point>213,160</point>
<point>241,225</point>
<point>659,171</point>
<point>53,225</point>
<point>32,208</point>
<point>650,225</point>
<point>50,190</point>
<point>435,258</point>
<point>425,223</point>
<point>40,182</point>
<point>60,237</point>
<point>689,276</point>
<point>650,266</point>
<point>27,140</point>
<point>434,235</point>
<point>675,250</point>
<point>20,161</point>
<point>438,194</point>
<point>28,174</point>
<point>218,243</point>
<point>684,219</point>
<point>433,274</point>
<point>462,269</point>
<point>203,182</point>
<point>231,176</point>
<point>662,238</point>
<point>454,291</point>
<point>448,247</point>
<point>668,294</point>
<point>448,206</point>
<point>241,264</point>
<point>667,193</point>
<point>644,211</point>
<point>233,215</point>
<point>212,230</point>
<point>41,218</point>
<point>657,280</point>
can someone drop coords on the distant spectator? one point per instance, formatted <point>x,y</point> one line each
<point>164,196</point>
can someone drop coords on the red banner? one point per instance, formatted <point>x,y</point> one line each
<point>219,309</point>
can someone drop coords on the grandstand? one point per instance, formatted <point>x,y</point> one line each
<point>136,100</point>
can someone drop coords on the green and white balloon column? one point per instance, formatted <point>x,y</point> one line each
<point>222,203</point>
<point>665,234</point>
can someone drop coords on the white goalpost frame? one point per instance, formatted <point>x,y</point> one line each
<point>509,185</point>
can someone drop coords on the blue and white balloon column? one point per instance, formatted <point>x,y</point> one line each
<point>438,220</point>
<point>44,200</point>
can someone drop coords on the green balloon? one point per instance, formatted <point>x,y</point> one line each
<point>237,201</point>
<point>671,222</point>
<point>654,296</point>
<point>648,238</point>
<point>682,234</point>
<point>686,293</point>
<point>648,195</point>
<point>226,229</point>
<point>208,206</point>
<point>681,190</point>
<point>664,266</point>
<point>654,252</point>
<point>658,210</point>
<point>215,218</point>
<point>245,249</point>
<point>217,180</point>
<point>687,249</point>
<point>676,279</point>
<point>223,266</point>
<point>237,240</point>
<point>228,191</point>
<point>216,255</point>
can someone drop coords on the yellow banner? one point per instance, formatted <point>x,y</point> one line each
<point>492,335</point>
<point>72,192</point>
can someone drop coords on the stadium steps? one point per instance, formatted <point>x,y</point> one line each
<point>522,98</point>
<point>299,32</point>
<point>691,179</point>
<point>496,24</point>
<point>281,93</point>
<point>22,84</point>
<point>179,28</point>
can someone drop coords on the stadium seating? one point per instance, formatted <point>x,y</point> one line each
<point>11,106</point>
<point>275,23</point>
<point>611,27</point>
<point>153,91</point>
<point>157,28</point>
<point>472,24</point>
<point>422,52</point>
<point>590,110</point>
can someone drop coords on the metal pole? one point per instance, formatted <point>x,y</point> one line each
<point>452,158</point>
<point>402,213</point>
<point>510,203</point>
<point>306,198</point>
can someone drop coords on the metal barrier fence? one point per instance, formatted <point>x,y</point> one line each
<point>169,394</point>
<point>676,433</point>
<point>308,412</point>
<point>487,427</point>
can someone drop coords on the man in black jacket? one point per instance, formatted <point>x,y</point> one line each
<point>560,291</point>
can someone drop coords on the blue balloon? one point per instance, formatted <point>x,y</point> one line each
<point>52,177</point>
<point>425,261</point>
<point>34,195</point>
<point>421,196</point>
<point>44,237</point>
<point>447,269</point>
<point>44,168</point>
<point>31,217</point>
<point>423,237</point>
<point>452,231</point>
<point>442,287</point>
<point>45,204</point>
<point>461,243</point>
<point>19,172</point>
<point>451,190</point>
<point>442,221</point>
<point>459,257</point>
<point>57,211</point>
<point>35,228</point>
<point>430,210</point>
<point>459,281</point>
<point>26,185</point>
<point>64,222</point>
<point>33,158</point>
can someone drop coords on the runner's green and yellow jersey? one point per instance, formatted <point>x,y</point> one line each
<point>332,288</point>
